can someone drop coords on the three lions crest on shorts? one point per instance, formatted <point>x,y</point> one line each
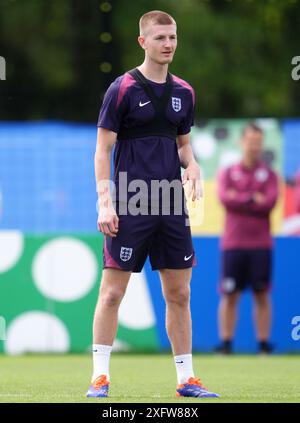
<point>176,104</point>
<point>125,253</point>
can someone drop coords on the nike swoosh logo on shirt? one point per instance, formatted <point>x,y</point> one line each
<point>187,258</point>
<point>143,104</point>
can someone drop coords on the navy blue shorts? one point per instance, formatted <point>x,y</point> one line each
<point>166,240</point>
<point>243,268</point>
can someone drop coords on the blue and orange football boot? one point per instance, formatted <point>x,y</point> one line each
<point>99,388</point>
<point>194,388</point>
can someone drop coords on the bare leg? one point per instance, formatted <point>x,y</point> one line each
<point>228,315</point>
<point>112,289</point>
<point>262,315</point>
<point>176,291</point>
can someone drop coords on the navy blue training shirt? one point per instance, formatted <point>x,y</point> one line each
<point>127,104</point>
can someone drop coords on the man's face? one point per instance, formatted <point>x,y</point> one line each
<point>252,144</point>
<point>159,43</point>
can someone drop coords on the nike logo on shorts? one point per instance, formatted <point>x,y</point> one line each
<point>143,104</point>
<point>187,258</point>
<point>179,362</point>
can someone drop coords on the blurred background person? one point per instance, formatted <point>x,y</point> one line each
<point>297,190</point>
<point>248,191</point>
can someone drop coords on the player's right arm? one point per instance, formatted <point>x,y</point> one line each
<point>109,122</point>
<point>108,220</point>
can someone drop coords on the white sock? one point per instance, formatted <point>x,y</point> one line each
<point>184,367</point>
<point>101,356</point>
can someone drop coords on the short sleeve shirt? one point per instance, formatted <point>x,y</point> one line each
<point>150,157</point>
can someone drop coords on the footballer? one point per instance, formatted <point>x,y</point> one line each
<point>146,115</point>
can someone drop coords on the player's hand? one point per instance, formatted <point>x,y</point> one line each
<point>108,221</point>
<point>259,198</point>
<point>192,178</point>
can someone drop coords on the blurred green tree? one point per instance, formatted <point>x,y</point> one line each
<point>62,55</point>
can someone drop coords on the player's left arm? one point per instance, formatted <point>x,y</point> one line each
<point>266,201</point>
<point>192,173</point>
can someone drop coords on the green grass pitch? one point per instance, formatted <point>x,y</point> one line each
<point>149,378</point>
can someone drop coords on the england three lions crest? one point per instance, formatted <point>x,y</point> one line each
<point>176,104</point>
<point>125,253</point>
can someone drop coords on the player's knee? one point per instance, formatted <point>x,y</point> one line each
<point>261,298</point>
<point>178,297</point>
<point>111,297</point>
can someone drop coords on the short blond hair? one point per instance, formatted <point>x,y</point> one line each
<point>155,17</point>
